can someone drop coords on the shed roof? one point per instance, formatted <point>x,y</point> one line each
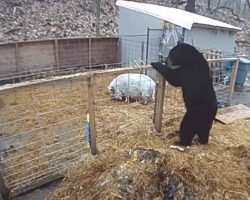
<point>173,15</point>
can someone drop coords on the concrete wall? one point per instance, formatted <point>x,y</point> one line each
<point>208,38</point>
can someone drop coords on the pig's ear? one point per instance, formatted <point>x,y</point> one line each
<point>112,89</point>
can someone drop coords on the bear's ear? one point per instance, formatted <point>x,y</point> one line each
<point>170,64</point>
<point>168,61</point>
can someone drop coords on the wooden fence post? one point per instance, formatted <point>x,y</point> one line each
<point>56,54</point>
<point>90,53</point>
<point>17,57</point>
<point>232,82</point>
<point>91,109</point>
<point>159,102</point>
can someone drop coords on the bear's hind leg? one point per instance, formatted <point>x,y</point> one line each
<point>205,123</point>
<point>188,129</point>
<point>205,126</point>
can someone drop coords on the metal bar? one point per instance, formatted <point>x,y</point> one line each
<point>142,50</point>
<point>147,45</point>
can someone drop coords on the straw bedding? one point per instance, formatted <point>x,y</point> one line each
<point>142,166</point>
<point>219,170</point>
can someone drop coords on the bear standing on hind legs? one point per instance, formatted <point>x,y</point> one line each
<point>186,67</point>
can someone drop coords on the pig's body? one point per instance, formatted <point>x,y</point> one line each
<point>138,87</point>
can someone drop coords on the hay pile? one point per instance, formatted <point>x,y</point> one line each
<point>144,167</point>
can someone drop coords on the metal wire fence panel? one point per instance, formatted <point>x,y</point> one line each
<point>174,109</point>
<point>42,130</point>
<point>119,118</point>
<point>223,82</point>
<point>142,49</point>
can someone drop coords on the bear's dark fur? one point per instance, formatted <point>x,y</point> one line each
<point>186,67</point>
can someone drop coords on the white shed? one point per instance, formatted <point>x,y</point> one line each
<point>149,30</point>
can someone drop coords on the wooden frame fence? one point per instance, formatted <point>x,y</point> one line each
<point>91,76</point>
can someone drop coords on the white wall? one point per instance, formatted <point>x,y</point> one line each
<point>136,23</point>
<point>207,38</point>
<point>133,27</point>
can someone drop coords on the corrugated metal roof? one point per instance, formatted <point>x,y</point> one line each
<point>175,16</point>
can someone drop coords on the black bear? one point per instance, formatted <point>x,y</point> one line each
<point>186,67</point>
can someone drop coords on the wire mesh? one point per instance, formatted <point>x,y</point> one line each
<point>42,130</point>
<point>119,118</point>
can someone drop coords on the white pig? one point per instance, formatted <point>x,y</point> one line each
<point>139,87</point>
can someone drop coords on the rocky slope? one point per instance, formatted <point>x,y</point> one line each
<point>40,19</point>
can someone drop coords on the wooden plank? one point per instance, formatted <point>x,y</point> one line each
<point>222,70</point>
<point>38,184</point>
<point>233,113</point>
<point>91,108</point>
<point>159,101</point>
<point>156,92</point>
<point>232,82</point>
<point>221,59</point>
<point>82,75</point>
<point>49,40</point>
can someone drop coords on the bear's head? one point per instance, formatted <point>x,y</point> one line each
<point>182,55</point>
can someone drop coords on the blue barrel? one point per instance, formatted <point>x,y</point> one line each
<point>228,64</point>
<point>243,69</point>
